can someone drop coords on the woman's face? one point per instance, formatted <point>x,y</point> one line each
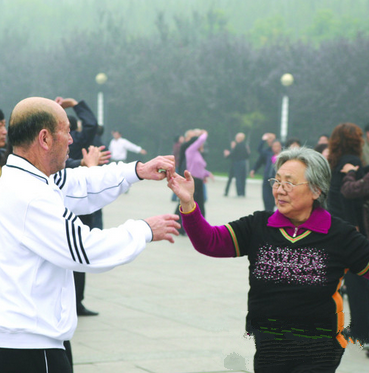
<point>276,147</point>
<point>297,204</point>
<point>3,133</point>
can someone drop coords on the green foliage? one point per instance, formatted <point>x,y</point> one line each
<point>196,68</point>
<point>46,22</point>
<point>269,31</point>
<point>327,26</point>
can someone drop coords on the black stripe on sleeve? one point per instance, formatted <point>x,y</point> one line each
<point>74,238</point>
<point>68,239</point>
<point>60,178</point>
<point>57,177</point>
<point>75,242</point>
<point>64,178</point>
<point>81,245</point>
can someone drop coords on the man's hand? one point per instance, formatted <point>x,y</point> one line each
<point>268,136</point>
<point>252,173</point>
<point>66,102</point>
<point>164,227</point>
<point>95,156</point>
<point>156,169</point>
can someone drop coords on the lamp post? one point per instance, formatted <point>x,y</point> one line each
<point>286,80</point>
<point>101,79</point>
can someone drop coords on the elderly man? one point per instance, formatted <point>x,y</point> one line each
<point>43,242</point>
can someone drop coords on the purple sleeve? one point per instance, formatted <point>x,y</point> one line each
<point>214,241</point>
<point>352,188</point>
<point>193,148</point>
<point>366,275</point>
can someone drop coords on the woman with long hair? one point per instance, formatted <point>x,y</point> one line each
<point>345,146</point>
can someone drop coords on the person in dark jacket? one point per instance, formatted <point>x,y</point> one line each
<point>345,146</point>
<point>226,153</point>
<point>238,155</point>
<point>267,158</point>
<point>357,188</point>
<point>82,139</point>
<point>351,189</point>
<point>189,138</point>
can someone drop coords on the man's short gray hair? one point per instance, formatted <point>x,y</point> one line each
<point>318,172</point>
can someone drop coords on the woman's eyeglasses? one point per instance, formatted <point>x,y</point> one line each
<point>286,185</point>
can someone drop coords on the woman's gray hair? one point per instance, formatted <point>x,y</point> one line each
<point>318,172</point>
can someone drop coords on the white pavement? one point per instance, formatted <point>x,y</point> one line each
<point>173,310</point>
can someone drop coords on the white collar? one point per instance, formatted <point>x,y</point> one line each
<point>16,161</point>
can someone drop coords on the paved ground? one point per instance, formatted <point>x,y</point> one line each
<point>173,310</point>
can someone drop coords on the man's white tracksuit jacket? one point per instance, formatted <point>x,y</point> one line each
<point>42,242</point>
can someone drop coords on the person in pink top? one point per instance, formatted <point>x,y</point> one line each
<point>196,165</point>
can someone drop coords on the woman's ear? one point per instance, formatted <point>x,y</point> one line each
<point>316,194</point>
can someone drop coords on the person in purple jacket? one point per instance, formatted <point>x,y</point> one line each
<point>196,164</point>
<point>297,255</point>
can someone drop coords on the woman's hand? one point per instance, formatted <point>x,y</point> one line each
<point>349,167</point>
<point>184,188</point>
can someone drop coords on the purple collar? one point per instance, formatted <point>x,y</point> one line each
<point>319,221</point>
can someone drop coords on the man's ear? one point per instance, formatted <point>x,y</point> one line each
<point>45,139</point>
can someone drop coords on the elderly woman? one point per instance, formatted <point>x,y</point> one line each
<point>298,256</point>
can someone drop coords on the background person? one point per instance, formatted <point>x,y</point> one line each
<point>293,142</point>
<point>266,159</point>
<point>119,147</point>
<point>322,149</point>
<point>323,139</point>
<point>83,137</point>
<point>351,189</point>
<point>239,155</point>
<point>345,146</point>
<point>196,164</point>
<point>38,208</point>
<point>3,133</point>
<point>178,141</point>
<point>226,153</point>
<point>366,145</point>
<point>298,256</point>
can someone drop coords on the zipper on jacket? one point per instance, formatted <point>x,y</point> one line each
<point>295,232</point>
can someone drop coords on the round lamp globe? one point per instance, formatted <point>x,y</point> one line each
<point>287,79</point>
<point>101,78</point>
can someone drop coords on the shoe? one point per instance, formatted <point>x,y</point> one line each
<point>83,311</point>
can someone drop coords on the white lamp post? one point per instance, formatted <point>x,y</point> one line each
<point>101,79</point>
<point>286,80</point>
